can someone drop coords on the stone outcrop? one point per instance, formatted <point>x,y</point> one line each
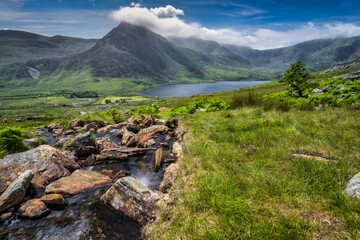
<point>32,142</point>
<point>111,127</point>
<point>147,133</point>
<point>128,138</point>
<point>133,199</point>
<point>78,182</point>
<point>135,124</point>
<point>105,143</point>
<point>120,154</point>
<point>61,142</point>
<point>47,163</point>
<point>77,123</point>
<point>34,208</point>
<point>169,177</point>
<point>16,191</point>
<point>158,158</point>
<point>52,126</point>
<point>84,145</point>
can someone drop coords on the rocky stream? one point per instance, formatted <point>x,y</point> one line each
<point>109,182</point>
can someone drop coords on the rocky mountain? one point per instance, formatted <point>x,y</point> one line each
<point>316,54</point>
<point>129,52</point>
<point>20,46</point>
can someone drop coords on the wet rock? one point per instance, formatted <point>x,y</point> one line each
<point>54,201</point>
<point>52,126</point>
<point>5,216</point>
<point>120,154</point>
<point>77,123</point>
<point>79,129</point>
<point>164,144</point>
<point>34,208</point>
<point>89,161</point>
<point>122,173</point>
<point>62,141</point>
<point>32,143</point>
<point>128,138</point>
<point>158,159</point>
<point>172,123</point>
<point>150,142</point>
<point>353,187</point>
<point>69,132</point>
<point>16,191</point>
<point>160,122</point>
<point>169,177</point>
<point>111,127</point>
<point>133,199</point>
<point>104,143</point>
<point>78,182</point>
<point>146,134</point>
<point>47,163</point>
<point>135,124</point>
<point>84,145</point>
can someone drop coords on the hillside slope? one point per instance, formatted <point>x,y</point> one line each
<point>20,46</point>
<point>316,54</point>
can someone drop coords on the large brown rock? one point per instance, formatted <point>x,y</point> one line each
<point>47,163</point>
<point>16,191</point>
<point>77,123</point>
<point>104,143</point>
<point>79,182</point>
<point>84,145</point>
<point>158,158</point>
<point>169,177</point>
<point>128,138</point>
<point>133,199</point>
<point>147,133</point>
<point>111,127</point>
<point>120,154</point>
<point>135,124</point>
<point>34,208</point>
<point>53,200</point>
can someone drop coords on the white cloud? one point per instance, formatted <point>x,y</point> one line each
<point>6,29</point>
<point>165,22</point>
<point>136,5</point>
<point>166,12</point>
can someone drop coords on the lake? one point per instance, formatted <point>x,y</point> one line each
<point>185,90</point>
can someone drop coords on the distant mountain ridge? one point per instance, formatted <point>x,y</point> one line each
<point>20,46</point>
<point>316,54</point>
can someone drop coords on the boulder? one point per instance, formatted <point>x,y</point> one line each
<point>77,123</point>
<point>129,138</point>
<point>92,125</point>
<point>120,154</point>
<point>16,191</point>
<point>177,149</point>
<point>47,163</point>
<point>111,127</point>
<point>146,134</point>
<point>132,198</point>
<point>84,145</point>
<point>62,141</point>
<point>5,216</point>
<point>353,187</point>
<point>52,126</point>
<point>135,124</point>
<point>69,132</point>
<point>34,208</point>
<point>57,132</point>
<point>89,161</point>
<point>158,158</point>
<point>32,142</point>
<point>169,177</point>
<point>104,143</point>
<point>53,200</point>
<point>78,182</point>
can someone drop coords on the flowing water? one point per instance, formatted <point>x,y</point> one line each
<point>85,216</point>
<point>184,90</point>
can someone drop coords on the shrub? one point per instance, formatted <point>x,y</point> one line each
<point>11,140</point>
<point>215,104</point>
<point>152,109</point>
<point>296,78</point>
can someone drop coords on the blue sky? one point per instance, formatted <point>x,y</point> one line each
<point>258,23</point>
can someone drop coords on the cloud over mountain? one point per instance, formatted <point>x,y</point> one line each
<point>165,21</point>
